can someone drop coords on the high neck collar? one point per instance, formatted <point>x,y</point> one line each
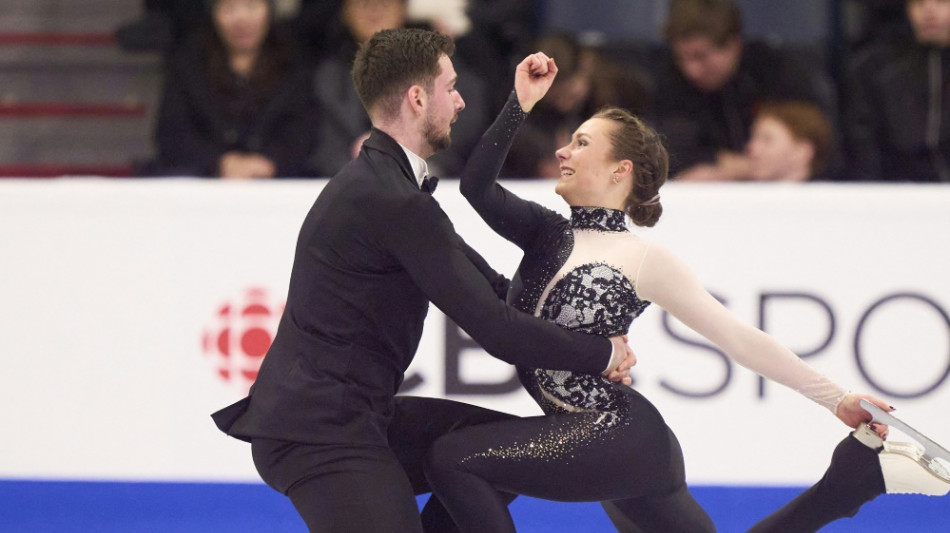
<point>598,219</point>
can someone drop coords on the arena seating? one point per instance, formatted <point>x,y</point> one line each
<point>71,102</point>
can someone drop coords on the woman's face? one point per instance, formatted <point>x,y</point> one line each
<point>586,164</point>
<point>930,20</point>
<point>775,154</point>
<point>242,24</point>
<point>365,17</point>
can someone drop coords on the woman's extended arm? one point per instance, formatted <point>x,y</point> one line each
<point>665,280</point>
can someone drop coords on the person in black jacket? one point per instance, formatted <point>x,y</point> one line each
<point>324,424</point>
<point>897,110</point>
<point>710,86</point>
<point>237,102</point>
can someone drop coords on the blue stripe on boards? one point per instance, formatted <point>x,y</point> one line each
<point>114,507</point>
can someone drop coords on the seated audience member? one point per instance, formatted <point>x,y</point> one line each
<point>165,24</point>
<point>488,35</point>
<point>586,82</point>
<point>708,88</point>
<point>873,21</point>
<point>791,141</point>
<point>237,103</point>
<point>344,124</point>
<point>501,34</point>
<point>897,105</point>
<point>316,28</point>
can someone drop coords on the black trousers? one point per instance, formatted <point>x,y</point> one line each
<point>853,478</point>
<point>632,463</point>
<point>354,488</point>
<point>635,470</point>
<point>349,488</point>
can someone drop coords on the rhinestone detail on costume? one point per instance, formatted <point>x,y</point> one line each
<point>554,445</point>
<point>595,298</point>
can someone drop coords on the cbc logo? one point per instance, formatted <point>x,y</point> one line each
<point>240,335</point>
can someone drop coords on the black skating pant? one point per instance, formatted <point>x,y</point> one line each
<point>634,469</point>
<point>634,464</point>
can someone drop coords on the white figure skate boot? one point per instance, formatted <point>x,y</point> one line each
<point>921,467</point>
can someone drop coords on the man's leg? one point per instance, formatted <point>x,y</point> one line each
<point>340,488</point>
<point>418,422</point>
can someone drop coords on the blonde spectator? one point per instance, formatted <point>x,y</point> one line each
<point>791,141</point>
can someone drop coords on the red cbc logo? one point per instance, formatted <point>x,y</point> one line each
<point>243,331</point>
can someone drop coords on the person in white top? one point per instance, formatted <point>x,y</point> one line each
<point>601,441</point>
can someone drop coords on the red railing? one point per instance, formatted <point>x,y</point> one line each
<point>57,39</point>
<point>54,171</point>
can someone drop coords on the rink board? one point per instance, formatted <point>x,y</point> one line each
<point>130,310</point>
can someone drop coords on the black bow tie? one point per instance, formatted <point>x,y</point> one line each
<point>429,183</point>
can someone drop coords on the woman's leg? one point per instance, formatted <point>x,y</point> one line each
<point>673,511</point>
<point>676,511</point>
<point>853,479</point>
<point>564,457</point>
<point>417,423</point>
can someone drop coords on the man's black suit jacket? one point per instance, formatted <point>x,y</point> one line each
<point>373,251</point>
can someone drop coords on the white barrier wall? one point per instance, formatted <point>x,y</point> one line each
<point>130,310</point>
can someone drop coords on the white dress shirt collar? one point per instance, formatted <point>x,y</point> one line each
<point>420,168</point>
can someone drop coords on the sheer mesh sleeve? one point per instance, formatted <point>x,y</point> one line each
<point>668,282</point>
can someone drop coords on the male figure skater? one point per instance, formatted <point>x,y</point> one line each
<point>373,251</point>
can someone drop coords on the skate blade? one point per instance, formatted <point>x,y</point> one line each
<point>931,450</point>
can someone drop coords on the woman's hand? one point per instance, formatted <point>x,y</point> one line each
<point>236,165</point>
<point>851,413</point>
<point>533,78</point>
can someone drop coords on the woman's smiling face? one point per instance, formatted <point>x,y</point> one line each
<point>586,164</point>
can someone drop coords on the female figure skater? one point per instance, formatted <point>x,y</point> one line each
<point>597,441</point>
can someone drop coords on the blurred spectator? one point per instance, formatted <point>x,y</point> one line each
<point>585,82</point>
<point>236,102</point>
<point>344,124</point>
<point>317,28</point>
<point>791,141</point>
<point>501,34</point>
<point>874,21</point>
<point>165,24</point>
<point>712,82</point>
<point>488,34</point>
<point>449,17</point>
<point>897,105</point>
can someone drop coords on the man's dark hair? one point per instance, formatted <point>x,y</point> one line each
<point>715,20</point>
<point>394,60</point>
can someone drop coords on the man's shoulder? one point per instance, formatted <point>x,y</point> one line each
<point>379,181</point>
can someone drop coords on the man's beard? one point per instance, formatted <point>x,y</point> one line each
<point>438,141</point>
